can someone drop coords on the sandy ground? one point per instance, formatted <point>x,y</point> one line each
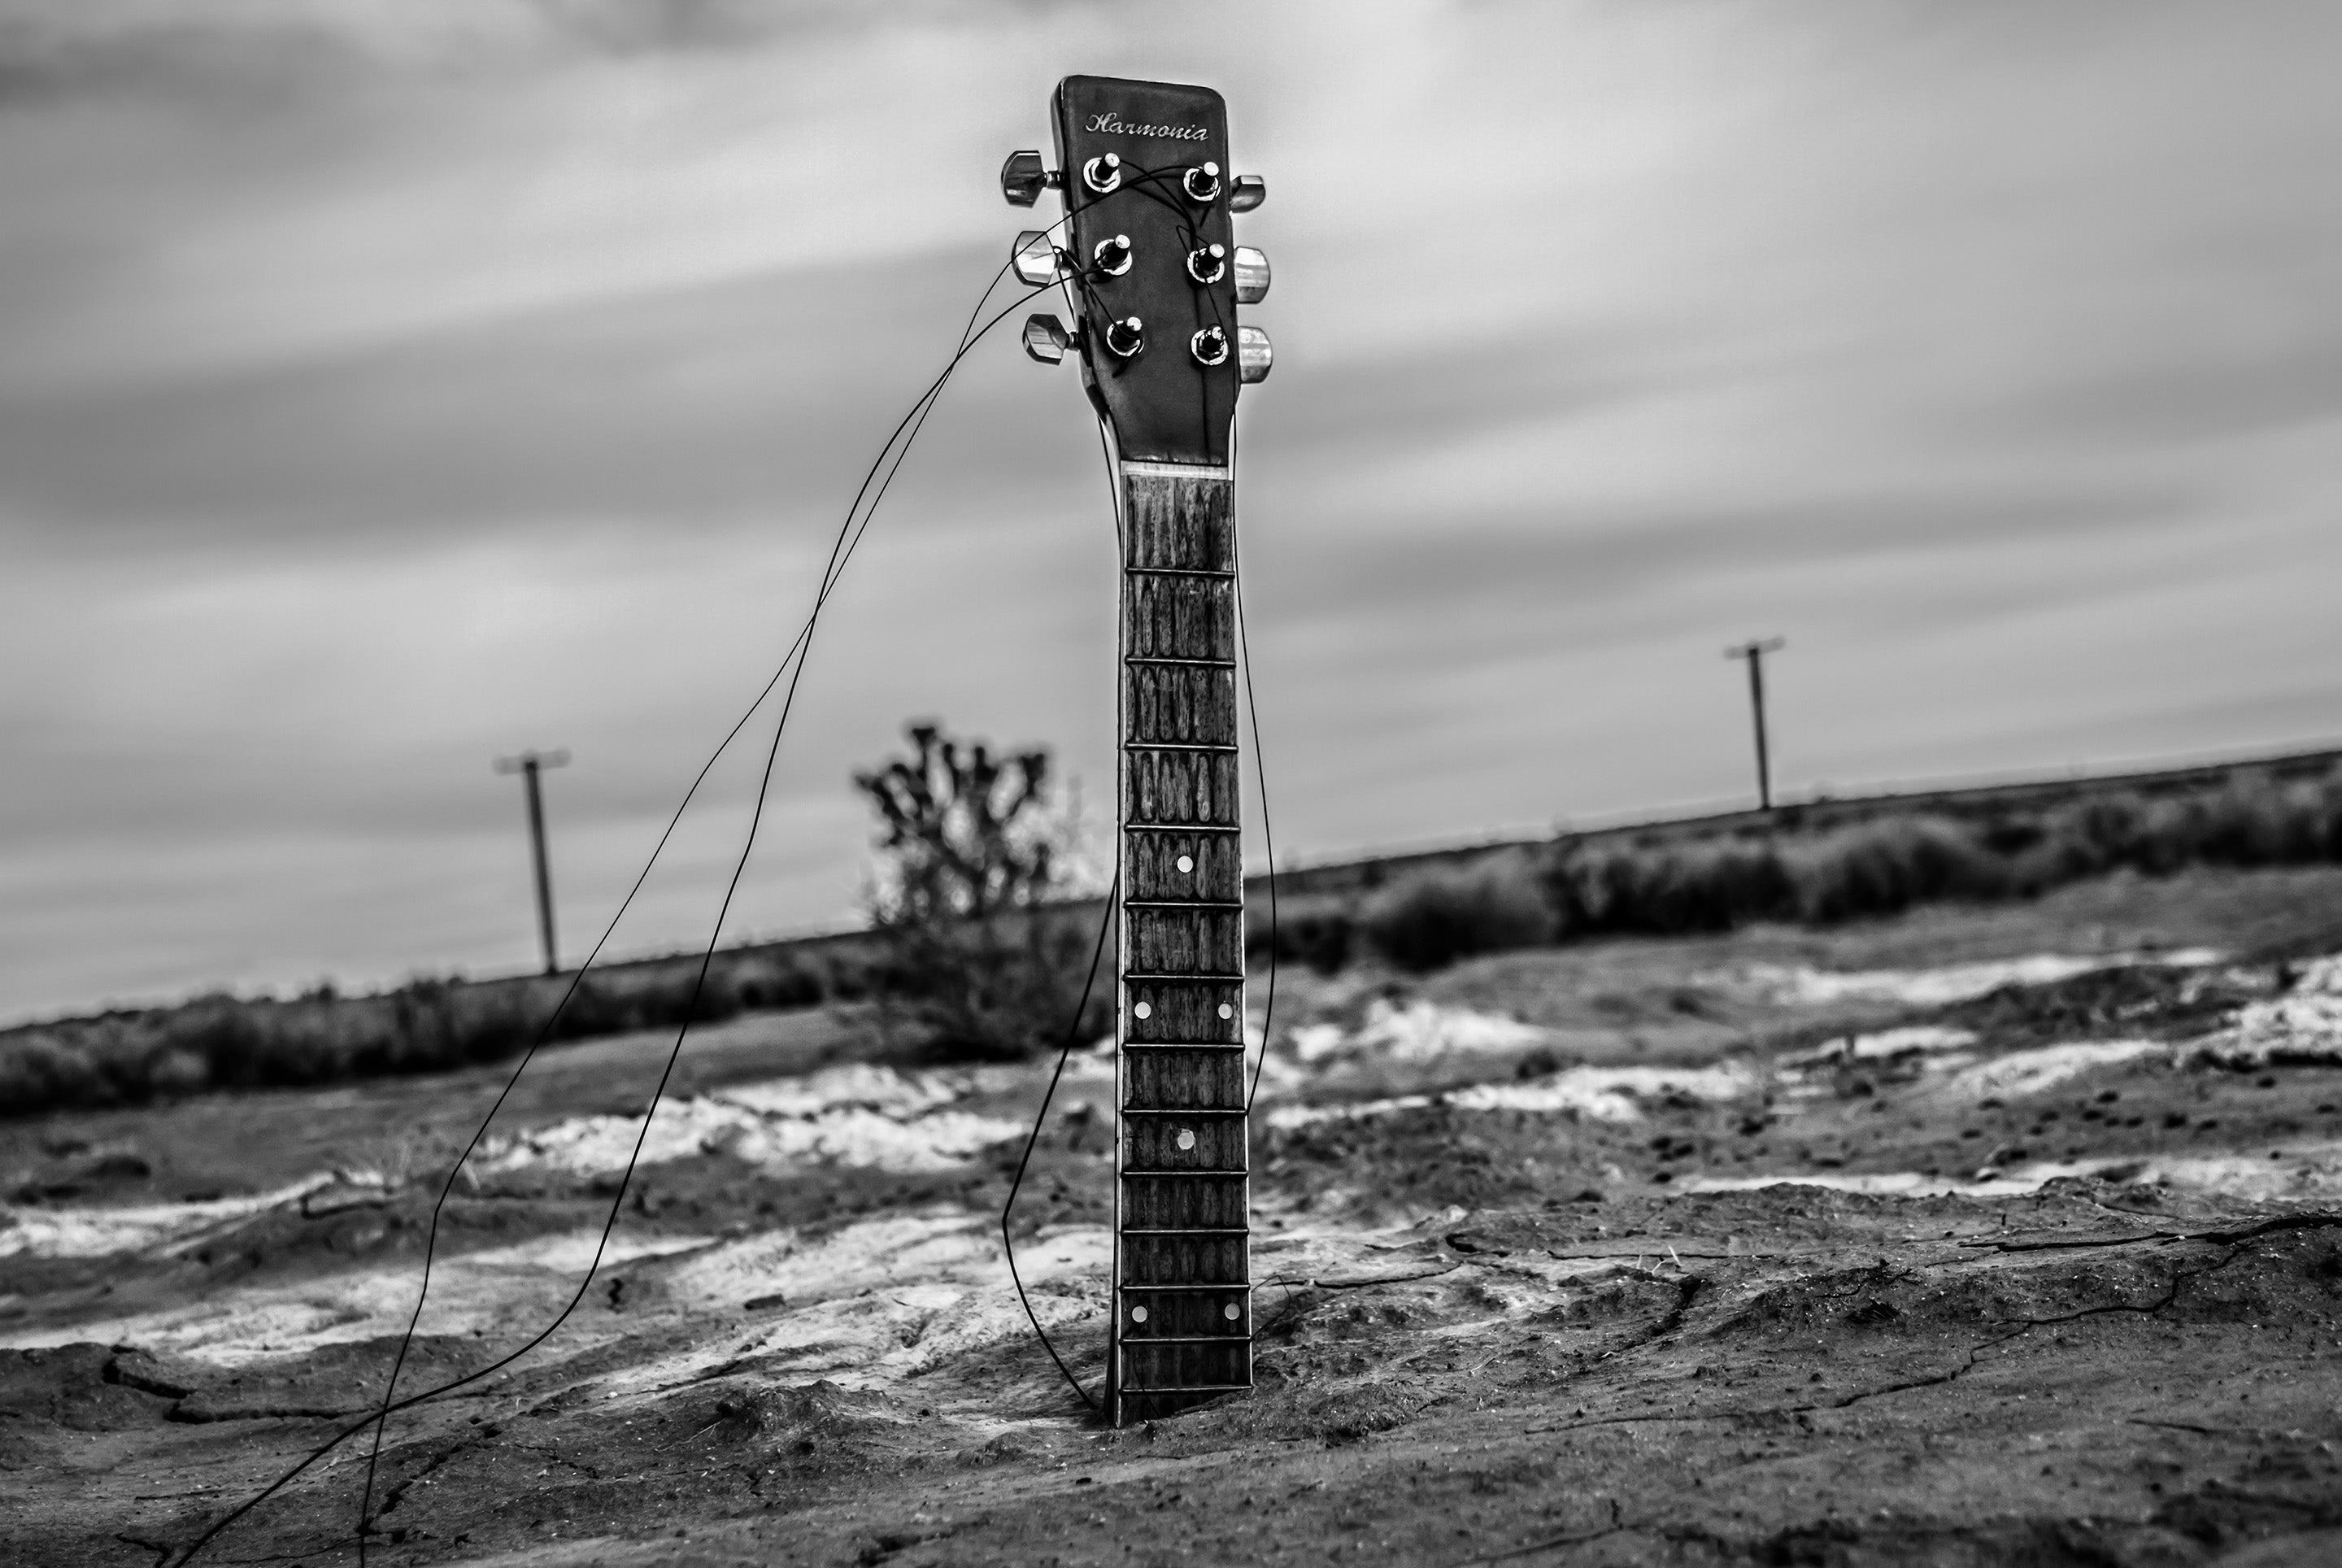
<point>1980,1236</point>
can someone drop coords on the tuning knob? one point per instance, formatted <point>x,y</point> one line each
<point>1023,177</point>
<point>1112,254</point>
<point>1207,264</point>
<point>1202,183</point>
<point>1126,338</point>
<point>1037,261</point>
<point>1210,347</point>
<point>1249,192</point>
<point>1045,339</point>
<point>1103,173</point>
<point>1252,275</point>
<point>1254,356</point>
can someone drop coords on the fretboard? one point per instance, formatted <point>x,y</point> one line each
<point>1182,1297</point>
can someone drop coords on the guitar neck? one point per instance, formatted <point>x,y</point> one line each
<point>1183,1310</point>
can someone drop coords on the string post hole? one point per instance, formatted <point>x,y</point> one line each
<point>1125,338</point>
<point>1207,264</point>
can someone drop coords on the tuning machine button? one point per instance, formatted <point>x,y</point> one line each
<point>1252,275</point>
<point>1254,356</point>
<point>1207,264</point>
<point>1210,347</point>
<point>1126,338</point>
<point>1248,193</point>
<point>1103,173</point>
<point>1037,262</point>
<point>1046,339</point>
<point>1202,183</point>
<point>1023,177</point>
<point>1112,255</point>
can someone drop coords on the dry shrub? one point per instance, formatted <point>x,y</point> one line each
<point>1440,915</point>
<point>1321,933</point>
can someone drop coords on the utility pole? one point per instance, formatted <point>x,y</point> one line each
<point>1754,651</point>
<point>528,764</point>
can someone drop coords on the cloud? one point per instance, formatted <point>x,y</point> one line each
<point>391,385</point>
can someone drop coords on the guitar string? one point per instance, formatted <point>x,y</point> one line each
<point>842,549</point>
<point>831,571</point>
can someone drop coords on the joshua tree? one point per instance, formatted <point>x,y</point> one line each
<point>971,853</point>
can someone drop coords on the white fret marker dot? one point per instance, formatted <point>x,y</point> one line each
<point>1187,1139</point>
<point>1186,862</point>
<point>1138,1314</point>
<point>1142,1011</point>
<point>1227,1011</point>
<point>1232,1312</point>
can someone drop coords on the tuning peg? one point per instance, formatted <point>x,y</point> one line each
<point>1254,356</point>
<point>1023,177</point>
<point>1248,193</point>
<point>1103,173</point>
<point>1045,339</point>
<point>1252,275</point>
<point>1037,261</point>
<point>1202,183</point>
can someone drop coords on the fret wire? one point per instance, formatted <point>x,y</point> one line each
<point>1190,1111</point>
<point>1185,1045</point>
<point>1199,663</point>
<point>1130,1338</point>
<point>1183,903</point>
<point>1192,1231</point>
<point>1236,1172</point>
<point>1177,572</point>
<point>1213,745</point>
<point>1237,1285</point>
<point>1214,978</point>
<point>1127,1393</point>
<point>1181,827</point>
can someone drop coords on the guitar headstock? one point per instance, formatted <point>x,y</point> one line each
<point>1149,257</point>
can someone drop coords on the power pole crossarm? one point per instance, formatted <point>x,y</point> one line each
<point>1754,651</point>
<point>529,765</point>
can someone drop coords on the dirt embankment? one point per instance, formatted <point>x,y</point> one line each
<point>1984,1237</point>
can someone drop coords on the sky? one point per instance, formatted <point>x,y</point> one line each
<point>391,385</point>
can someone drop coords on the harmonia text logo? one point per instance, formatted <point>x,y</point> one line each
<point>1114,124</point>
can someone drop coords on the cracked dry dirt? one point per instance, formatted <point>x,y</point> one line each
<point>1629,1253</point>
